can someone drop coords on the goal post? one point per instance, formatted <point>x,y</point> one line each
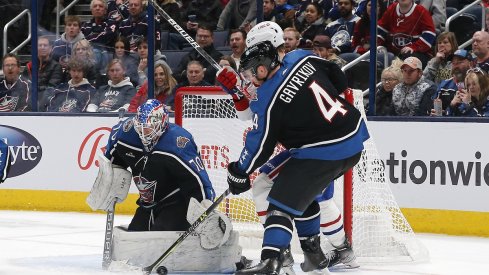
<point>372,218</point>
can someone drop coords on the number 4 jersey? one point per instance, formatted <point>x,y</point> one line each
<point>301,108</point>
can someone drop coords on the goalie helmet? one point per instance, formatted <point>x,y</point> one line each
<point>265,31</point>
<point>151,121</point>
<point>261,54</point>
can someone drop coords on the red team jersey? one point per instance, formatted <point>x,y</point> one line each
<point>414,29</point>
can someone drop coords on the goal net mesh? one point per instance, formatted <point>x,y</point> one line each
<point>380,232</point>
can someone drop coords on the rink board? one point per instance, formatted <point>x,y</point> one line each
<point>439,171</point>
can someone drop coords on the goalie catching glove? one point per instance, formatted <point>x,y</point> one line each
<point>238,181</point>
<point>112,183</point>
<point>214,231</point>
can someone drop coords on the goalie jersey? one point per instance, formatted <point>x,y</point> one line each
<point>171,171</point>
<point>301,108</point>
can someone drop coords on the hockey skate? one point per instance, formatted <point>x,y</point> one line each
<point>314,257</point>
<point>288,262</point>
<point>269,266</point>
<point>343,254</point>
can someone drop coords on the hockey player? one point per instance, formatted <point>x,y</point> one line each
<point>4,161</point>
<point>324,141</point>
<point>165,167</point>
<point>168,172</point>
<point>330,219</point>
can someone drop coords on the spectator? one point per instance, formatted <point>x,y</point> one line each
<point>311,24</point>
<point>14,89</point>
<point>472,101</point>
<point>62,47</point>
<point>72,96</point>
<point>129,60</point>
<point>164,84</point>
<point>292,39</point>
<point>143,60</point>
<point>361,32</point>
<point>341,30</point>
<point>391,76</point>
<point>460,63</point>
<point>195,77</point>
<point>269,14</point>
<point>439,67</point>
<point>205,39</point>
<point>322,47</point>
<point>407,29</point>
<point>50,72</point>
<point>237,42</point>
<point>438,11</point>
<point>170,7</point>
<point>486,10</point>
<point>236,14</point>
<point>84,51</point>
<point>326,6</point>
<point>99,31</point>
<point>480,48</point>
<point>117,94</point>
<point>135,27</point>
<point>285,13</point>
<point>198,13</point>
<point>117,10</point>
<point>227,60</point>
<point>412,97</point>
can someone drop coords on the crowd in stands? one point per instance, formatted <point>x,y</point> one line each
<point>101,65</point>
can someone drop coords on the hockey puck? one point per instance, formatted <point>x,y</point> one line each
<point>162,270</point>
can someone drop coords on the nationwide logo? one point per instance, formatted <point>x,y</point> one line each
<point>25,150</point>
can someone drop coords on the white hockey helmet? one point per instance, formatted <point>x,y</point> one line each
<point>265,31</point>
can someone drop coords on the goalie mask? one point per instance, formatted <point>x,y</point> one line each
<point>260,54</point>
<point>150,122</point>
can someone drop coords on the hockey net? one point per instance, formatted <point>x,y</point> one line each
<point>372,218</point>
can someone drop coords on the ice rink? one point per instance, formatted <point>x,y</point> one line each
<point>72,243</point>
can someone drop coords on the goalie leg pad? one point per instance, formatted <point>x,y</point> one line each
<point>112,183</point>
<point>261,188</point>
<point>214,230</point>
<point>143,248</point>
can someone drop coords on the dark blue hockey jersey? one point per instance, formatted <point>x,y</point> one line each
<point>301,108</point>
<point>173,170</point>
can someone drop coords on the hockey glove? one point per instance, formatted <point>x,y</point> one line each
<point>230,82</point>
<point>238,181</point>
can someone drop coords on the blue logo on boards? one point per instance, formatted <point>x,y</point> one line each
<point>25,150</point>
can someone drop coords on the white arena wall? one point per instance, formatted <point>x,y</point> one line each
<point>438,170</point>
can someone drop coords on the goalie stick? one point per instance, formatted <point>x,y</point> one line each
<point>109,223</point>
<point>203,217</point>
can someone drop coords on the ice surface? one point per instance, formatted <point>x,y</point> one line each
<point>42,243</point>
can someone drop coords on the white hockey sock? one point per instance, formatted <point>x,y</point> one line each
<point>332,222</point>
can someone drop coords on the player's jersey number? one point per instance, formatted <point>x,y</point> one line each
<point>328,106</point>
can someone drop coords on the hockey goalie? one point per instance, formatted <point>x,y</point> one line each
<point>174,191</point>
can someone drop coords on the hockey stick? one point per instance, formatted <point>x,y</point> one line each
<point>185,35</point>
<point>109,228</point>
<point>202,218</point>
<point>192,42</point>
<point>109,224</point>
